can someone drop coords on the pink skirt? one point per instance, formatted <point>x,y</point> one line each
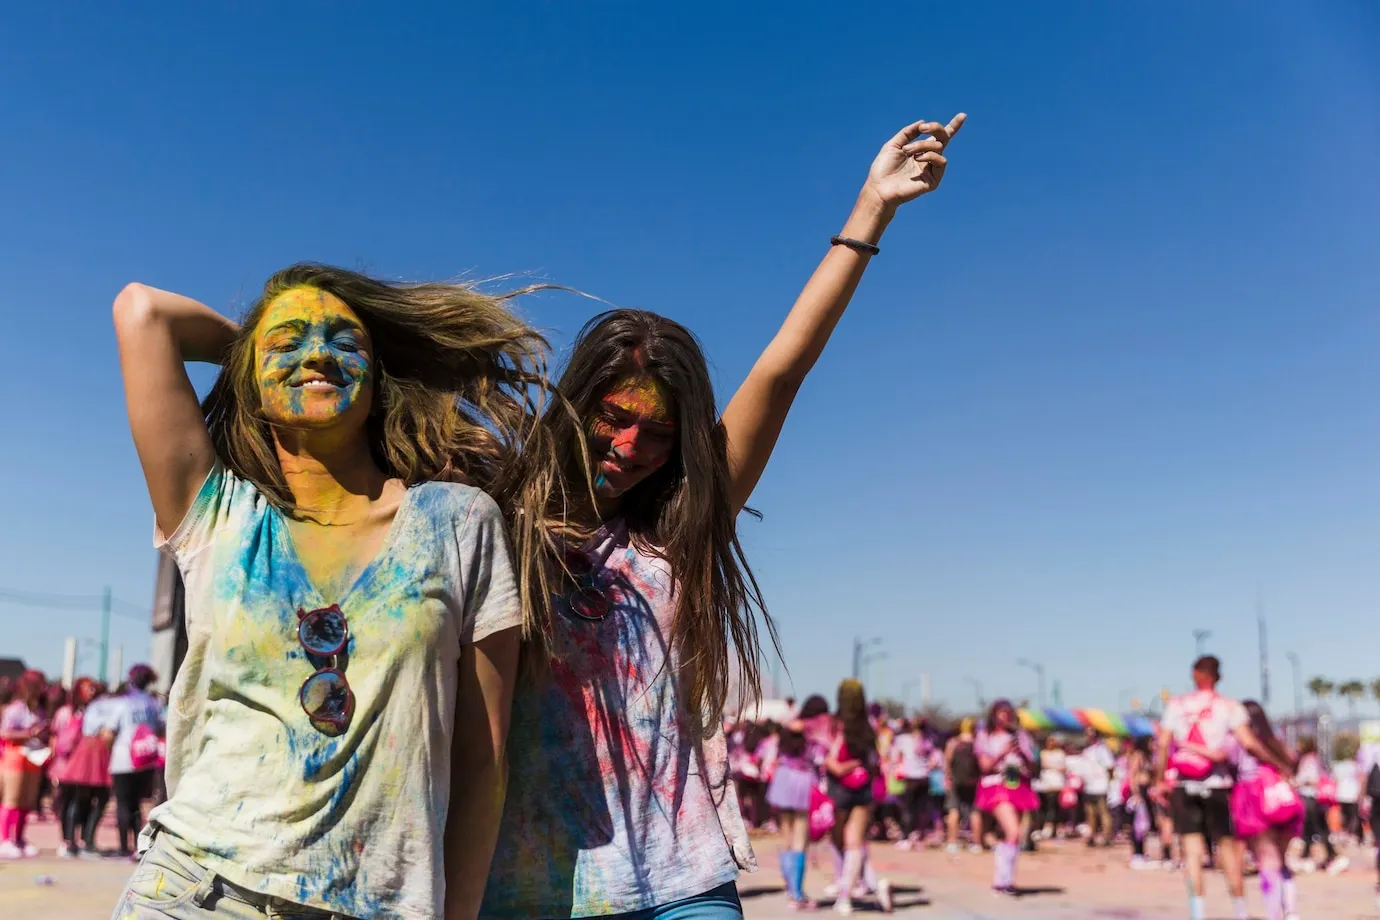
<point>1248,816</point>
<point>89,764</point>
<point>993,791</point>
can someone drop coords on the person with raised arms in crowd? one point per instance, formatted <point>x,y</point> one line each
<point>336,730</point>
<point>636,595</point>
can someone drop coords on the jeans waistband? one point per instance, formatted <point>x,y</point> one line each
<point>212,884</point>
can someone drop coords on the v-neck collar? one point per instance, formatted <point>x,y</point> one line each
<point>318,598</point>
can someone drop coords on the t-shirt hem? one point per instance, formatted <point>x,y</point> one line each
<point>483,631</point>
<point>267,885</point>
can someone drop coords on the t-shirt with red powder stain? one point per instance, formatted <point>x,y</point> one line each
<point>615,804</point>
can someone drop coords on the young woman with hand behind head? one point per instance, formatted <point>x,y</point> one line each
<point>635,589</point>
<point>335,734</point>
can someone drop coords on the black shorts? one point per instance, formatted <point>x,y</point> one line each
<point>1208,814</point>
<point>845,798</point>
<point>960,798</point>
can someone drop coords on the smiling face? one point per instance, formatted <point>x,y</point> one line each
<point>313,361</point>
<point>631,434</point>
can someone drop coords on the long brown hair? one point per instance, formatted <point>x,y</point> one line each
<point>858,732</point>
<point>459,383</point>
<point>682,512</point>
<point>1264,731</point>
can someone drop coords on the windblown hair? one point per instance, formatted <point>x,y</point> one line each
<point>458,383</point>
<point>1265,732</point>
<point>858,733</point>
<point>683,512</point>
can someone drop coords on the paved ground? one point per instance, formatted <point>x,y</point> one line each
<point>1066,883</point>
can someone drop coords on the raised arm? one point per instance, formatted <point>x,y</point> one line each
<point>158,331</point>
<point>906,168</point>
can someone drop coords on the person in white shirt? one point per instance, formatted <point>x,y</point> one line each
<point>1095,769</point>
<point>1193,743</point>
<point>1049,784</point>
<point>1348,778</point>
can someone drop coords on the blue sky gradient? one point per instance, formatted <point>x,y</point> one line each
<point>1113,380</point>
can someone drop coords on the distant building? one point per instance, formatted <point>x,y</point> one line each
<point>169,622</point>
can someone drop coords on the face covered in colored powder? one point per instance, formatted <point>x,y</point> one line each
<point>313,361</point>
<point>631,435</point>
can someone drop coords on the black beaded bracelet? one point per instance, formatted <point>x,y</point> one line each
<point>859,245</point>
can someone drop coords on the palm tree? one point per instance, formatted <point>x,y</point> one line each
<point>1321,688</point>
<point>1351,691</point>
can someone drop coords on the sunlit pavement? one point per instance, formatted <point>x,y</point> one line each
<point>1061,883</point>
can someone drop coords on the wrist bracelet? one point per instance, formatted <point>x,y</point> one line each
<point>858,245</point>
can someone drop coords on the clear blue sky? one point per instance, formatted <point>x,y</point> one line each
<point>1120,371</point>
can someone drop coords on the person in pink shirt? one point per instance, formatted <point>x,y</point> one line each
<point>22,730</point>
<point>1266,834</point>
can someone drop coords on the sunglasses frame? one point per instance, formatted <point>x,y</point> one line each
<point>586,593</point>
<point>303,617</point>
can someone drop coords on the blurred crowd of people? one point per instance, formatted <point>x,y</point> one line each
<point>67,752</point>
<point>853,777</point>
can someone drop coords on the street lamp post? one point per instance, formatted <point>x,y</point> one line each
<point>859,648</point>
<point>1200,636</point>
<point>977,691</point>
<point>1039,670</point>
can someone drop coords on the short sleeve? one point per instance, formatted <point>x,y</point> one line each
<point>1173,717</point>
<point>491,596</point>
<point>199,523</point>
<point>1236,716</point>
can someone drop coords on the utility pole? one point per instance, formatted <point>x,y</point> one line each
<point>105,634</point>
<point>1264,659</point>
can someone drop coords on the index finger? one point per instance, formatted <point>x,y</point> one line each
<point>956,123</point>
<point>912,131</point>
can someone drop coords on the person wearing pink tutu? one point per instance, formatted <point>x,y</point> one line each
<point>1266,830</point>
<point>1006,757</point>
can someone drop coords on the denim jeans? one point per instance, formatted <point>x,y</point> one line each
<point>169,886</point>
<point>719,904</point>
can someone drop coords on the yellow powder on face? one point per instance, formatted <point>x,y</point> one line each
<point>643,396</point>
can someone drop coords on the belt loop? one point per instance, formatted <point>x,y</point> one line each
<point>204,889</point>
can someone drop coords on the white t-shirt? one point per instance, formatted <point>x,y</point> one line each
<point>1203,717</point>
<point>130,711</point>
<point>1348,778</point>
<point>1053,763</point>
<point>910,754</point>
<point>350,824</point>
<point>1093,767</point>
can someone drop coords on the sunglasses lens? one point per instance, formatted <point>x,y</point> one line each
<point>589,603</point>
<point>322,632</point>
<point>326,696</point>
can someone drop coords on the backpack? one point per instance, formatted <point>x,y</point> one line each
<point>964,766</point>
<point>1188,764</point>
<point>143,748</point>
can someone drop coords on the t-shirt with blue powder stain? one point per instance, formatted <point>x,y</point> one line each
<point>616,803</point>
<point>353,823</point>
